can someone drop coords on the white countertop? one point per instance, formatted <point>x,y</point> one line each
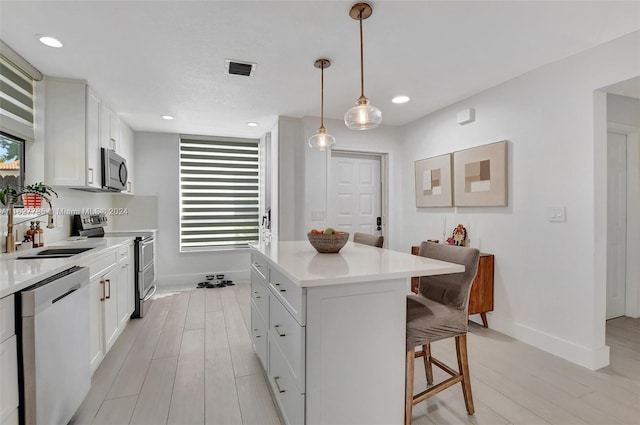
<point>301,263</point>
<point>16,275</point>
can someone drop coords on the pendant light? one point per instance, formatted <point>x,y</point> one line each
<point>363,116</point>
<point>321,140</point>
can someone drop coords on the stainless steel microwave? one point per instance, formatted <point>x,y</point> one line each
<point>114,171</point>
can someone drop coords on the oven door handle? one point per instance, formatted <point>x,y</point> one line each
<point>152,291</point>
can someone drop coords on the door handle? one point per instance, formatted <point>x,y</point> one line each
<point>102,298</point>
<point>275,379</point>
<point>109,282</point>
<point>379,223</point>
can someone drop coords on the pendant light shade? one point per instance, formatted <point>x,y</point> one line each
<point>321,140</point>
<point>363,116</point>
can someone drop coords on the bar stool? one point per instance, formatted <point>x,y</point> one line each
<point>439,311</point>
<point>367,239</point>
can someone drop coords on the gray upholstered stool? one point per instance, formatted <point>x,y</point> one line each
<point>439,311</point>
<point>367,239</point>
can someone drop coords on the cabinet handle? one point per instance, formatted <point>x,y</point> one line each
<point>113,143</point>
<point>281,290</point>
<point>275,379</point>
<point>277,328</point>
<point>90,175</point>
<point>258,294</point>
<point>108,282</point>
<point>128,186</point>
<point>102,298</point>
<point>256,265</point>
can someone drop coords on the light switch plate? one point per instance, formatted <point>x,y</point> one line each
<point>556,214</point>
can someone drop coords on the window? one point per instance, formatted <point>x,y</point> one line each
<point>11,161</point>
<point>218,192</point>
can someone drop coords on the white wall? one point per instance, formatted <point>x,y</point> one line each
<point>548,292</point>
<point>157,173</point>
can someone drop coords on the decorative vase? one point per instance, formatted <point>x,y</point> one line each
<point>32,200</point>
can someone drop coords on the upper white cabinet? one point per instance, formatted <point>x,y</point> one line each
<point>110,132</point>
<point>126,151</point>
<point>77,125</point>
<point>72,134</point>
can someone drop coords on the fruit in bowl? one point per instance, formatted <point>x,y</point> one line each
<point>328,241</point>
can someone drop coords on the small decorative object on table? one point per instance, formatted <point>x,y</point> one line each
<point>328,241</point>
<point>459,236</point>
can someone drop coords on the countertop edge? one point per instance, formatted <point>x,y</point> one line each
<point>72,261</point>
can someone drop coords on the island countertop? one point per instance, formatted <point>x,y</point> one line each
<point>301,263</point>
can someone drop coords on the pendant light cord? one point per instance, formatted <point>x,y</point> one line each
<point>361,58</point>
<point>322,95</point>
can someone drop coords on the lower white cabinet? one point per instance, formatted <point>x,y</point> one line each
<point>125,289</point>
<point>8,363</point>
<point>334,352</point>
<point>278,339</point>
<point>111,293</point>
<point>110,307</point>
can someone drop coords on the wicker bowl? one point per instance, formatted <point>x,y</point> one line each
<point>328,244</point>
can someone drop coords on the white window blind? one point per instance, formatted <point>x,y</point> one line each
<point>16,93</point>
<point>218,192</point>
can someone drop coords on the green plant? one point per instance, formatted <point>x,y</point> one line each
<point>40,189</point>
<point>7,191</point>
<point>36,188</point>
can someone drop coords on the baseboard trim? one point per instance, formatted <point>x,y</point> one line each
<point>591,358</point>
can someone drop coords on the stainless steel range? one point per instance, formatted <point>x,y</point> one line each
<point>93,226</point>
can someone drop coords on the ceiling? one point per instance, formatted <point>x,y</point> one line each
<point>150,58</point>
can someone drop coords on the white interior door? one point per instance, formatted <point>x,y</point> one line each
<point>355,199</point>
<point>616,223</point>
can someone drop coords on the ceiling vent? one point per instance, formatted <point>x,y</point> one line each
<point>234,67</point>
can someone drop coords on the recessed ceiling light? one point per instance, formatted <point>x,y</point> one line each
<point>252,124</point>
<point>400,99</point>
<point>167,117</point>
<point>50,41</point>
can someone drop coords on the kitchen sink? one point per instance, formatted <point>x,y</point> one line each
<point>54,253</point>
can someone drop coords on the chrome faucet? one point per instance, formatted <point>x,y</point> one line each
<point>10,244</point>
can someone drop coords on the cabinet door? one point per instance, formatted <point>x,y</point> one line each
<point>110,130</point>
<point>131,292</point>
<point>8,377</point>
<point>125,289</point>
<point>96,294</point>
<point>110,306</point>
<point>94,166</point>
<point>126,151</point>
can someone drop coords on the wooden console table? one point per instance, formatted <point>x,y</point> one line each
<point>481,296</point>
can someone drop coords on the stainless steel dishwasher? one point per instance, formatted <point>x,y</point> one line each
<point>54,336</point>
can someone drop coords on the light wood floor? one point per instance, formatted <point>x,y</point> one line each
<point>190,361</point>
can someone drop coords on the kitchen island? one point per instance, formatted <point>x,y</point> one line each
<point>329,329</point>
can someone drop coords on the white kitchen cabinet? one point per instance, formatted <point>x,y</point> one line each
<point>109,302</point>
<point>125,285</point>
<point>96,340</point>
<point>110,130</point>
<point>127,152</point>
<point>72,134</point>
<point>8,363</point>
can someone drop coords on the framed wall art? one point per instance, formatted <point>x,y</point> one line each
<point>480,176</point>
<point>433,181</point>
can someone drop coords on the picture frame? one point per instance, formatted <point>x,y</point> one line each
<point>433,183</point>
<point>480,176</point>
